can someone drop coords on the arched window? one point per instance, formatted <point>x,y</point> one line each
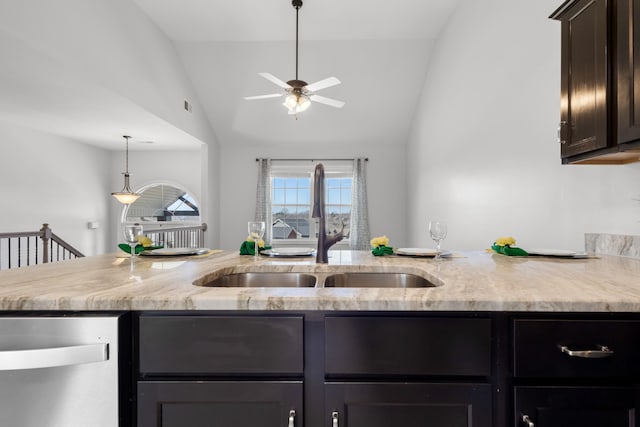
<point>162,204</point>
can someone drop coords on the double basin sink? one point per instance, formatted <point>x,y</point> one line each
<point>310,280</point>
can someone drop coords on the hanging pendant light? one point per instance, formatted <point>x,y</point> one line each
<point>126,196</point>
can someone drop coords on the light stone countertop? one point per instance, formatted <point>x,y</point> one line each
<point>470,281</point>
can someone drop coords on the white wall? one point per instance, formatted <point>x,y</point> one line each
<point>482,153</point>
<point>117,47</point>
<point>99,47</point>
<point>386,185</point>
<point>45,178</point>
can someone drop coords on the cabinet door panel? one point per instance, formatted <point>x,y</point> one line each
<point>628,70</point>
<point>572,406</point>
<point>584,77</point>
<point>409,405</point>
<point>218,404</point>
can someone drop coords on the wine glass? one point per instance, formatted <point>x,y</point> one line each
<point>131,233</point>
<point>256,231</point>
<point>438,232</point>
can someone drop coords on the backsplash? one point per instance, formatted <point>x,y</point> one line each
<point>612,244</point>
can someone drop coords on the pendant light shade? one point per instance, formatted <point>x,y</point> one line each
<point>126,196</point>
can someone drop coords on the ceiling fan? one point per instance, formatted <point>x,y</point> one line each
<point>299,93</point>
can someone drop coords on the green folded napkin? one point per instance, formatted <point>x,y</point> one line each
<point>125,247</point>
<point>382,250</point>
<point>508,250</point>
<point>249,248</point>
<point>139,248</point>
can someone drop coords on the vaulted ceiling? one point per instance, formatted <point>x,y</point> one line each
<point>379,49</point>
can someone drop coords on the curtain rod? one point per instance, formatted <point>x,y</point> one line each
<point>366,159</point>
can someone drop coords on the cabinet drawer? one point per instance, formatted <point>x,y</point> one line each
<point>383,346</point>
<point>538,348</point>
<point>223,345</point>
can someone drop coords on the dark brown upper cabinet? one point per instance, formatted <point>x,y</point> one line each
<point>600,82</point>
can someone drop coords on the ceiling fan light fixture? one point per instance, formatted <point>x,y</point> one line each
<point>297,103</point>
<point>299,94</point>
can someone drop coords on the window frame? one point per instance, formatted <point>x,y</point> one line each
<point>306,168</point>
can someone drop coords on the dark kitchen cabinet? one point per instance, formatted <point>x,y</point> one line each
<point>369,369</point>
<point>436,370</point>
<point>409,405</point>
<point>219,403</point>
<point>348,369</point>
<point>554,406</point>
<point>584,73</point>
<point>578,371</point>
<point>600,94</point>
<point>211,370</point>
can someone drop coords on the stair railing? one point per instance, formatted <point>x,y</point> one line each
<point>177,237</point>
<point>21,249</point>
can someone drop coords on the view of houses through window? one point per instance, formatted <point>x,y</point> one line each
<point>292,204</point>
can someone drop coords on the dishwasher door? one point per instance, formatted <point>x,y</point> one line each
<point>59,371</point>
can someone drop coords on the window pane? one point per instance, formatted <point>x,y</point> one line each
<point>304,196</point>
<point>304,182</point>
<point>278,196</point>
<point>290,196</point>
<point>333,196</point>
<point>345,196</point>
<point>290,182</point>
<point>278,183</point>
<point>332,182</point>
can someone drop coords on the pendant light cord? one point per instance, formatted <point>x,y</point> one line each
<point>126,155</point>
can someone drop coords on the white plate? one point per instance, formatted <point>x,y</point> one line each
<point>426,252</point>
<point>175,251</point>
<point>289,252</point>
<point>551,252</point>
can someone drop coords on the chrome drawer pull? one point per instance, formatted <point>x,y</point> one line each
<point>292,418</point>
<point>588,354</point>
<point>527,420</point>
<point>334,419</point>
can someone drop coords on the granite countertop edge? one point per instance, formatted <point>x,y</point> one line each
<point>469,281</point>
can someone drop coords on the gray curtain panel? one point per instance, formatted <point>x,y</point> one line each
<point>263,197</point>
<point>360,236</point>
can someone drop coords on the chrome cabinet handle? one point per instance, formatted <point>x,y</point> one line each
<point>560,126</point>
<point>334,419</point>
<point>588,354</point>
<point>292,418</point>
<point>527,420</point>
<point>53,357</point>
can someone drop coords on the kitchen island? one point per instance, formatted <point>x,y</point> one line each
<point>495,341</point>
<point>469,281</point>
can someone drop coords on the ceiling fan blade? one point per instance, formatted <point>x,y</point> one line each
<point>275,80</point>
<point>322,84</point>
<point>327,101</point>
<point>271,95</point>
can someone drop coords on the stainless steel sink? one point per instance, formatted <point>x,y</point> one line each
<point>376,280</point>
<point>263,280</point>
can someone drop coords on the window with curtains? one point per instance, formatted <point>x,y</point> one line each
<point>284,200</point>
<point>292,200</point>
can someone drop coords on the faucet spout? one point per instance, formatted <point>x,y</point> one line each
<point>324,241</point>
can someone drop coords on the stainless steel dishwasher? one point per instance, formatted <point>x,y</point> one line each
<point>59,371</point>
